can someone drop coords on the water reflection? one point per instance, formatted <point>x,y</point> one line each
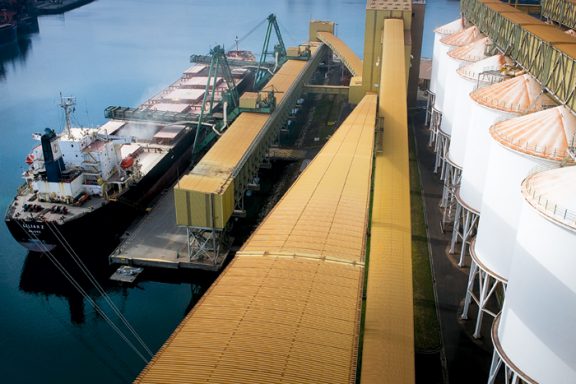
<point>15,53</point>
<point>41,276</point>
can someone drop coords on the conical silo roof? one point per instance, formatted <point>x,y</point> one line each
<point>553,193</point>
<point>451,28</point>
<point>520,94</point>
<point>492,63</point>
<point>472,52</point>
<point>546,134</point>
<point>461,38</point>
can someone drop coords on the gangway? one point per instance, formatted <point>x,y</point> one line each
<point>208,196</point>
<point>343,51</point>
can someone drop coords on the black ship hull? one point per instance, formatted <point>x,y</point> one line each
<point>107,223</point>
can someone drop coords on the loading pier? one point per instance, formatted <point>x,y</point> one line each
<point>288,307</point>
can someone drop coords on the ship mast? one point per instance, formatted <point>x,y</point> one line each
<point>67,104</point>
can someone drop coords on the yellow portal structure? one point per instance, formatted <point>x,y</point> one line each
<point>377,12</point>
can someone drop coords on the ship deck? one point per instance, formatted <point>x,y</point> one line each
<point>46,214</point>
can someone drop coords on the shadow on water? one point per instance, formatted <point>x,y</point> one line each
<point>41,276</point>
<point>17,52</point>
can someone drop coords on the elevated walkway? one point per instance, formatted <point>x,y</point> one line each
<point>287,308</point>
<point>547,52</point>
<point>348,57</point>
<point>388,349</point>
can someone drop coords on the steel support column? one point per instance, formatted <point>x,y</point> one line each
<point>429,104</point>
<point>448,201</point>
<point>441,149</point>
<point>465,225</point>
<point>207,244</point>
<point>487,284</point>
<point>499,359</point>
<point>435,120</point>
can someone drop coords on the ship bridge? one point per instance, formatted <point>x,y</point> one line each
<point>288,308</point>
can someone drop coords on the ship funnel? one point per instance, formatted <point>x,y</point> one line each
<point>53,161</point>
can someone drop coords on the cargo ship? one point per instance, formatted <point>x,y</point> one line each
<point>86,181</point>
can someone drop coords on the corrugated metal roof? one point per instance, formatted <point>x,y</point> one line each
<point>463,37</point>
<point>500,7</point>
<point>214,171</point>
<point>492,63</point>
<point>546,134</point>
<point>282,312</point>
<point>549,33</point>
<point>425,69</point>
<point>553,193</point>
<point>451,28</point>
<point>323,215</point>
<point>388,350</point>
<point>568,49</point>
<point>521,94</point>
<point>520,18</point>
<point>349,58</point>
<point>471,52</point>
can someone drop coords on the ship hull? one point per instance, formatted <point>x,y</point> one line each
<point>108,222</point>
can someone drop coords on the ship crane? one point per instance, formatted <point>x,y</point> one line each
<point>279,53</point>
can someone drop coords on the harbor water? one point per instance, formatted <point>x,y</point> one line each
<point>117,52</point>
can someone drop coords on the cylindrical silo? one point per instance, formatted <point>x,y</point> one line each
<point>439,49</point>
<point>534,335</point>
<point>446,43</point>
<point>479,74</point>
<point>500,101</point>
<point>539,140</point>
<point>458,57</point>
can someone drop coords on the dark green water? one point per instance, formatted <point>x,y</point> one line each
<point>116,52</point>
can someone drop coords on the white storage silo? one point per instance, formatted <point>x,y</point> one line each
<point>457,57</point>
<point>539,140</point>
<point>500,101</point>
<point>534,335</point>
<point>469,77</point>
<point>447,43</point>
<point>439,49</point>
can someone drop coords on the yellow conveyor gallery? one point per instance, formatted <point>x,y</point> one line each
<point>388,349</point>
<point>343,51</point>
<point>287,308</point>
<point>205,196</point>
